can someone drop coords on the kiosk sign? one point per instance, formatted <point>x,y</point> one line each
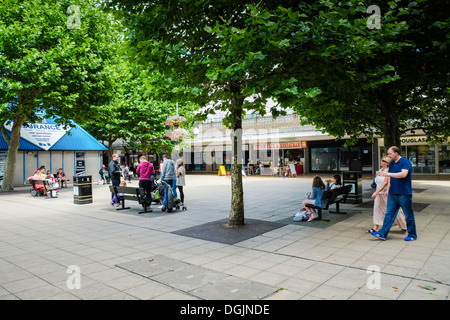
<point>43,135</point>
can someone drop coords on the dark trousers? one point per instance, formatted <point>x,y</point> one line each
<point>115,183</point>
<point>147,186</point>
<point>180,188</point>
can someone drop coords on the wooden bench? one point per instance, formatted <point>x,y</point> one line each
<point>35,192</point>
<point>334,196</point>
<point>133,194</point>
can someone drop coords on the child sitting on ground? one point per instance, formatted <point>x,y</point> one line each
<point>116,200</point>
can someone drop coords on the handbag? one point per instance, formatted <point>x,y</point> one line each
<point>373,185</point>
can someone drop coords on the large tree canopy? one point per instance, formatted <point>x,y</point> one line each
<point>53,58</point>
<point>235,55</point>
<point>410,93</point>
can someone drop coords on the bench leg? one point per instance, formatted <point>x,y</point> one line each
<point>145,209</point>
<point>319,218</point>
<point>337,210</point>
<point>123,205</point>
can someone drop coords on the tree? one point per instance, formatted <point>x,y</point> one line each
<point>53,58</point>
<point>233,56</point>
<point>390,92</point>
<point>134,114</point>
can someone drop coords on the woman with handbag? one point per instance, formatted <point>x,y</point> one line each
<point>380,200</point>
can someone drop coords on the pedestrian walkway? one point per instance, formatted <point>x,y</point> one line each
<point>55,249</point>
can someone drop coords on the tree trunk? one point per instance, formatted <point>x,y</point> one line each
<point>237,190</point>
<point>13,148</point>
<point>391,131</point>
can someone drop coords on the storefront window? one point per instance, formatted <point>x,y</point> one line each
<point>422,158</point>
<point>444,158</point>
<point>324,159</point>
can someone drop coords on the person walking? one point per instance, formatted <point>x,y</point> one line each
<point>380,200</point>
<point>114,171</point>
<point>146,172</point>
<point>399,195</point>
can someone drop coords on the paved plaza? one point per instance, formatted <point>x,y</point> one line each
<point>55,249</point>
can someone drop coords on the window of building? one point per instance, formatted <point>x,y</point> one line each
<point>324,159</point>
<point>444,158</point>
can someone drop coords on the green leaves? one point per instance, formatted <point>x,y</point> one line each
<point>50,67</point>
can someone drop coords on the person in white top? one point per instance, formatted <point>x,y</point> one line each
<point>180,173</point>
<point>380,200</point>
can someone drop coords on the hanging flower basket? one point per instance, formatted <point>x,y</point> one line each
<point>175,121</point>
<point>177,134</point>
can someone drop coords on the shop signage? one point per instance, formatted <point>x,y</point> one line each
<point>413,140</point>
<point>408,140</point>
<point>42,135</point>
<point>277,146</point>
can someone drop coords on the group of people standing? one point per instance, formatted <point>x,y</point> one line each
<point>392,197</point>
<point>173,174</point>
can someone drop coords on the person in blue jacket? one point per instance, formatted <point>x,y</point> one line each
<point>318,188</point>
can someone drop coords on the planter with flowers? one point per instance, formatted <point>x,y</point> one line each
<point>175,121</point>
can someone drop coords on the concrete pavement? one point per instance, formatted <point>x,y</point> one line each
<point>54,249</point>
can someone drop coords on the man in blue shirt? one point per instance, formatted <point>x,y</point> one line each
<point>399,195</point>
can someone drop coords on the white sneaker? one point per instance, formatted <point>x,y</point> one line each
<point>313,216</point>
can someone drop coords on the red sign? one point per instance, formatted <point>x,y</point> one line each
<point>275,146</point>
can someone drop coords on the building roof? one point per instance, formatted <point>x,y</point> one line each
<point>75,139</point>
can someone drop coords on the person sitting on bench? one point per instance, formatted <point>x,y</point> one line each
<point>61,177</point>
<point>318,188</point>
<point>116,200</point>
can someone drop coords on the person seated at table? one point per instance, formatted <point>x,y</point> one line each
<point>42,173</point>
<point>38,187</point>
<point>290,169</point>
<point>61,177</point>
<point>50,178</point>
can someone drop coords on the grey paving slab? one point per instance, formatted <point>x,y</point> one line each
<point>234,288</point>
<point>40,238</point>
<point>197,281</point>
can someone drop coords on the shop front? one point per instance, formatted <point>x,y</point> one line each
<point>329,156</point>
<point>425,159</point>
<point>276,157</point>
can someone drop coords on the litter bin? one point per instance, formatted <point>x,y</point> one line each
<point>82,189</point>
<point>353,178</point>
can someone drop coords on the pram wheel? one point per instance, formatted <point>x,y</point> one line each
<point>184,208</point>
<point>34,193</point>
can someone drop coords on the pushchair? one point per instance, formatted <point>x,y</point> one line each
<point>165,196</point>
